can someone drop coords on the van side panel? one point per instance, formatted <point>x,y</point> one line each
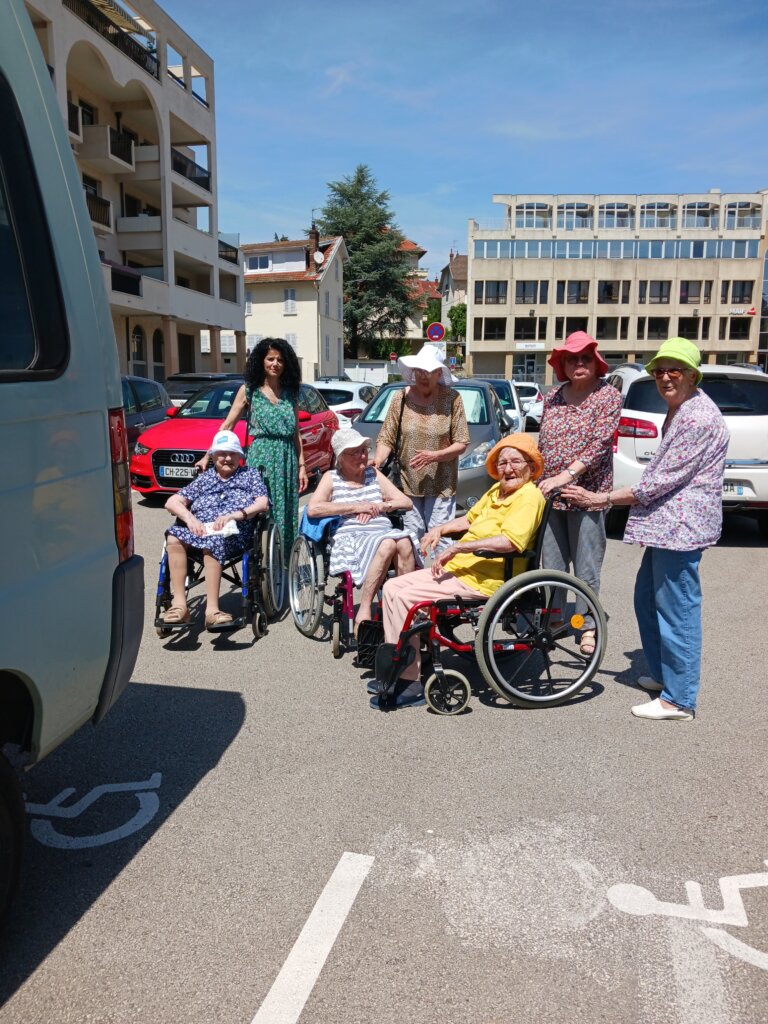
<point>56,491</point>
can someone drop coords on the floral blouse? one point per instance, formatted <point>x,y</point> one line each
<point>584,432</point>
<point>680,493</point>
<point>430,427</point>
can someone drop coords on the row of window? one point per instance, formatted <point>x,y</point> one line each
<point>610,328</point>
<point>572,216</point>
<point>532,293</point>
<point>667,249</point>
<point>289,303</point>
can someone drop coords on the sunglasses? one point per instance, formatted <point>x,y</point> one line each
<point>667,371</point>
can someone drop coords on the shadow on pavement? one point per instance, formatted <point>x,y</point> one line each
<point>178,732</point>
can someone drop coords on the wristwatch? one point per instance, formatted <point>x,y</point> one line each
<point>245,514</point>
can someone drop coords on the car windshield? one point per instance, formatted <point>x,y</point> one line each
<point>475,405</point>
<point>734,396</point>
<point>213,402</point>
<point>504,391</point>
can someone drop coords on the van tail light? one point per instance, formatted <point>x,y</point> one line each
<point>121,484</point>
<point>631,427</point>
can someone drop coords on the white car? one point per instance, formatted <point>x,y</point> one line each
<point>347,398</point>
<point>529,392</point>
<point>740,393</point>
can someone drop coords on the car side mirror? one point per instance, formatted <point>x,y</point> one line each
<point>303,416</point>
<point>173,411</point>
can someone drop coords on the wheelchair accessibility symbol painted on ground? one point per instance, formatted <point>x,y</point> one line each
<point>45,832</point>
<point>633,899</point>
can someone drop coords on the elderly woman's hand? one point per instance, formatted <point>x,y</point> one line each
<point>443,557</point>
<point>582,498</point>
<point>553,483</point>
<point>367,511</point>
<point>195,526</point>
<point>422,459</point>
<point>430,540</point>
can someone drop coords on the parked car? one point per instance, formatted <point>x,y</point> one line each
<point>529,392</point>
<point>181,386</point>
<point>487,423</point>
<point>145,402</point>
<point>740,393</point>
<point>164,456</point>
<point>510,401</point>
<point>533,414</point>
<point>346,398</point>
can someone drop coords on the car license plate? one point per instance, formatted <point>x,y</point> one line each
<point>733,487</point>
<point>182,472</point>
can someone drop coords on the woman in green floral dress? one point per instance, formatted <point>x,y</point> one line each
<point>271,395</point>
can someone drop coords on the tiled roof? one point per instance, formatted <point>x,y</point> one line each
<point>459,268</point>
<point>264,277</point>
<point>408,246</point>
<point>424,290</point>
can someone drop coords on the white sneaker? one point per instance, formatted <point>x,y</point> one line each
<point>655,710</point>
<point>649,683</point>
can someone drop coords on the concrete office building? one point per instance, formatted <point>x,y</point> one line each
<point>631,270</point>
<point>137,95</point>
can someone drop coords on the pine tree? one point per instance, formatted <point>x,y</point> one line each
<point>378,299</point>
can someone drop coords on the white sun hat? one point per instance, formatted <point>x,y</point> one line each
<point>342,440</point>
<point>227,441</point>
<point>429,358</point>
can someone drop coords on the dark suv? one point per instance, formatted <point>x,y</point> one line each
<point>144,402</point>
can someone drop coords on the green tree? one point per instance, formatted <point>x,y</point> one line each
<point>379,298</point>
<point>431,315</point>
<point>458,316</point>
<point>281,238</point>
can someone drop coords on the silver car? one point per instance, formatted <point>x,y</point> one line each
<point>487,424</point>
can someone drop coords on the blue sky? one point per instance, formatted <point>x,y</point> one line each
<point>450,102</point>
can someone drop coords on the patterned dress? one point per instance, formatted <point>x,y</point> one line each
<point>355,544</point>
<point>210,497</point>
<point>273,428</point>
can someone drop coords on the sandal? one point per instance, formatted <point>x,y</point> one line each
<point>217,619</point>
<point>588,642</point>
<point>176,616</point>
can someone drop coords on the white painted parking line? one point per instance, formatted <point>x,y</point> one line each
<point>291,988</point>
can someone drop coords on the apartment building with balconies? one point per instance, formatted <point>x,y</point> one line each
<point>631,270</point>
<point>137,95</point>
<point>295,290</point>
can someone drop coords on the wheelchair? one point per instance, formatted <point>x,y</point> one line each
<point>257,572</point>
<point>307,580</point>
<point>522,638</point>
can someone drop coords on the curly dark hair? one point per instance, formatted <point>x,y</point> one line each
<point>254,368</point>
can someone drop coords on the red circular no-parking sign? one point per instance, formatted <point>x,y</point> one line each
<point>435,332</point>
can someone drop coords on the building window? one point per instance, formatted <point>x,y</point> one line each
<point>694,293</point>
<point>327,302</point>
<point>258,262</point>
<point>659,291</point>
<point>658,328</point>
<point>339,308</point>
<point>292,340</point>
<point>88,115</point>
<point>607,328</point>
<point>658,215</point>
<point>624,328</point>
<point>289,301</point>
<point>529,293</point>
<point>742,215</point>
<point>572,216</point>
<point>741,292</point>
<point>490,328</point>
<point>533,215</point>
<point>688,327</point>
<point>613,292</point>
<point>705,322</point>
<point>572,292</point>
<point>252,341</point>
<point>739,328</point>
<point>327,348</point>
<point>699,215</point>
<point>336,269</point>
<point>525,328</point>
<point>641,328</point>
<point>248,302</point>
<point>615,215</point>
<point>492,293</point>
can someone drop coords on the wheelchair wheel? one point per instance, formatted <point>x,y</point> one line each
<point>336,647</point>
<point>453,699</point>
<point>259,624</point>
<point>527,639</point>
<point>272,583</point>
<point>306,585</point>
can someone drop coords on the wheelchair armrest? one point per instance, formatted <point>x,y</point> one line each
<point>397,519</point>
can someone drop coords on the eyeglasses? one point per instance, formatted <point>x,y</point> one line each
<point>673,372</point>
<point>512,462</point>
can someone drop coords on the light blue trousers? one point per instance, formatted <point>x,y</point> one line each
<point>668,610</point>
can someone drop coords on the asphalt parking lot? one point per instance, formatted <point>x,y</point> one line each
<point>488,856</point>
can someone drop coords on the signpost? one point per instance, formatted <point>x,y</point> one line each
<point>393,357</point>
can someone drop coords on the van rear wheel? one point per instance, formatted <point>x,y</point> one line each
<point>12,829</point>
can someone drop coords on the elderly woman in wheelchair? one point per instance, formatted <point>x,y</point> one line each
<point>516,618</point>
<point>355,502</point>
<point>217,514</point>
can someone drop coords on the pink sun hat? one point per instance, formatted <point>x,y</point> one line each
<point>574,343</point>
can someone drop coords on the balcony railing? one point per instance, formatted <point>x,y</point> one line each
<point>121,145</point>
<point>190,170</point>
<point>100,210</point>
<point>100,23</point>
<point>73,119</point>
<point>227,252</point>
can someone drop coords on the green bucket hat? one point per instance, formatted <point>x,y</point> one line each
<point>683,351</point>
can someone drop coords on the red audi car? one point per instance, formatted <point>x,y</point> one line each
<point>164,457</point>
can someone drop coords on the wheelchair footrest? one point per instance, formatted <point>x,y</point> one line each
<point>370,636</point>
<point>226,627</point>
<point>172,627</point>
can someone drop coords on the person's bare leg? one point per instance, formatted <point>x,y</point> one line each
<point>376,574</point>
<point>212,568</point>
<point>405,560</point>
<point>177,566</point>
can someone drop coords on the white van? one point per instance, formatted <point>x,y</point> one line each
<point>71,587</point>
